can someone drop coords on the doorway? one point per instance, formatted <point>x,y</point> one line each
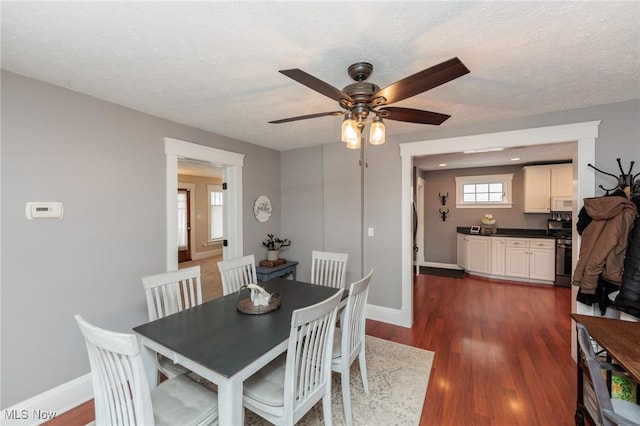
<point>232,164</point>
<point>584,134</point>
<point>184,224</point>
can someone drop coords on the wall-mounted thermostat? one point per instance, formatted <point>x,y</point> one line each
<point>39,210</point>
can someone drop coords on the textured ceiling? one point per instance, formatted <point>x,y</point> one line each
<point>214,65</point>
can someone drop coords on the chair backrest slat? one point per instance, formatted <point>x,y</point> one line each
<point>329,269</point>
<point>353,329</point>
<point>308,365</point>
<point>235,273</point>
<point>173,291</point>
<point>121,390</point>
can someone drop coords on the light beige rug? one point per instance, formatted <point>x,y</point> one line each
<point>398,378</point>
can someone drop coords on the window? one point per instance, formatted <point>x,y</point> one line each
<point>216,205</point>
<point>484,191</point>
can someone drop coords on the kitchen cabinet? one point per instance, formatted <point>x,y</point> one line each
<point>542,260</point>
<point>561,180</point>
<point>479,259</point>
<point>542,183</point>
<point>497,256</point>
<point>530,258</point>
<point>537,189</point>
<point>463,251</point>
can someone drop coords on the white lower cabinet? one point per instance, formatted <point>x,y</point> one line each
<point>479,254</point>
<point>497,256</point>
<point>532,258</point>
<point>508,257</point>
<point>463,251</point>
<point>542,259</point>
<point>517,257</point>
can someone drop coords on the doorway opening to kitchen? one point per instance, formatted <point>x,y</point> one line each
<point>583,134</point>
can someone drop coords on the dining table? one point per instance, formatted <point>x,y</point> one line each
<point>621,341</point>
<point>224,345</point>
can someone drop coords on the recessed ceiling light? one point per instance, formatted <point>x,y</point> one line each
<point>442,165</point>
<point>515,159</point>
<point>475,151</point>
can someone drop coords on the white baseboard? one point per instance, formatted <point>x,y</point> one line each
<point>399,317</point>
<point>205,254</point>
<point>43,407</point>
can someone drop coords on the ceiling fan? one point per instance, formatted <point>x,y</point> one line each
<point>361,98</point>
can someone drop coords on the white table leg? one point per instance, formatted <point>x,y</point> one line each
<point>230,411</point>
<point>149,361</point>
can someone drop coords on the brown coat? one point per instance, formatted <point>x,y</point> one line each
<point>604,241</point>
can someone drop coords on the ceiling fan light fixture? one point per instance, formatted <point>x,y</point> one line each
<point>377,131</point>
<point>350,130</point>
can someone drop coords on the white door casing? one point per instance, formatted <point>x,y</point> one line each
<point>232,164</point>
<point>583,134</point>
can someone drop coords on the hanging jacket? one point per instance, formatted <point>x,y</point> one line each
<point>604,242</point>
<point>628,300</point>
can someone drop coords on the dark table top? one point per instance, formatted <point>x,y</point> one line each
<point>218,337</point>
<point>621,339</point>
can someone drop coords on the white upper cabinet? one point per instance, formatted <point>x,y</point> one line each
<point>562,180</point>
<point>542,183</point>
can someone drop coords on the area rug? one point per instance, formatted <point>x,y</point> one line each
<point>398,378</point>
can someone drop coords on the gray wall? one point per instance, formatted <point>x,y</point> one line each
<point>444,233</point>
<point>107,164</point>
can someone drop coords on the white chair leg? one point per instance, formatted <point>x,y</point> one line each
<point>363,370</point>
<point>326,408</point>
<point>346,394</point>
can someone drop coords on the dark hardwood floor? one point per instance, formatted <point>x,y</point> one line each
<point>502,353</point>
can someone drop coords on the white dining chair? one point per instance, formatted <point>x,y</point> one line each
<point>329,269</point>
<point>611,412</point>
<point>348,341</point>
<point>287,388</point>
<point>168,293</point>
<point>121,391</point>
<point>237,272</point>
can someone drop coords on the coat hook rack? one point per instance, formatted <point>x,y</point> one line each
<point>624,180</point>
<point>443,198</point>
<point>443,215</point>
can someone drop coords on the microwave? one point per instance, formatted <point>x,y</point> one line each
<point>561,204</point>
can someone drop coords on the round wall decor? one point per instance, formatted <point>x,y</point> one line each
<point>262,208</point>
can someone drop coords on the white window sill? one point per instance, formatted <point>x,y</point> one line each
<point>484,205</point>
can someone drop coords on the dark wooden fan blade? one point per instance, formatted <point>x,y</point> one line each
<point>411,115</point>
<point>317,85</point>
<point>304,117</point>
<point>422,81</point>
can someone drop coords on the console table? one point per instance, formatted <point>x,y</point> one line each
<point>265,274</point>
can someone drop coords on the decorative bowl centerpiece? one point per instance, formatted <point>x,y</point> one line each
<point>254,300</point>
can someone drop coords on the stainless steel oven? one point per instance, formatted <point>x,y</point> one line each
<point>561,230</point>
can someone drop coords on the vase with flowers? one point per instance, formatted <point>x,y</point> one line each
<point>274,244</point>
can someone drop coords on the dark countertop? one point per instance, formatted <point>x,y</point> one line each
<point>510,232</point>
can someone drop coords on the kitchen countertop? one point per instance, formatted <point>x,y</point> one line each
<point>510,232</point>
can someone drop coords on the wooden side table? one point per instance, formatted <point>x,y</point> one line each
<point>265,274</point>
